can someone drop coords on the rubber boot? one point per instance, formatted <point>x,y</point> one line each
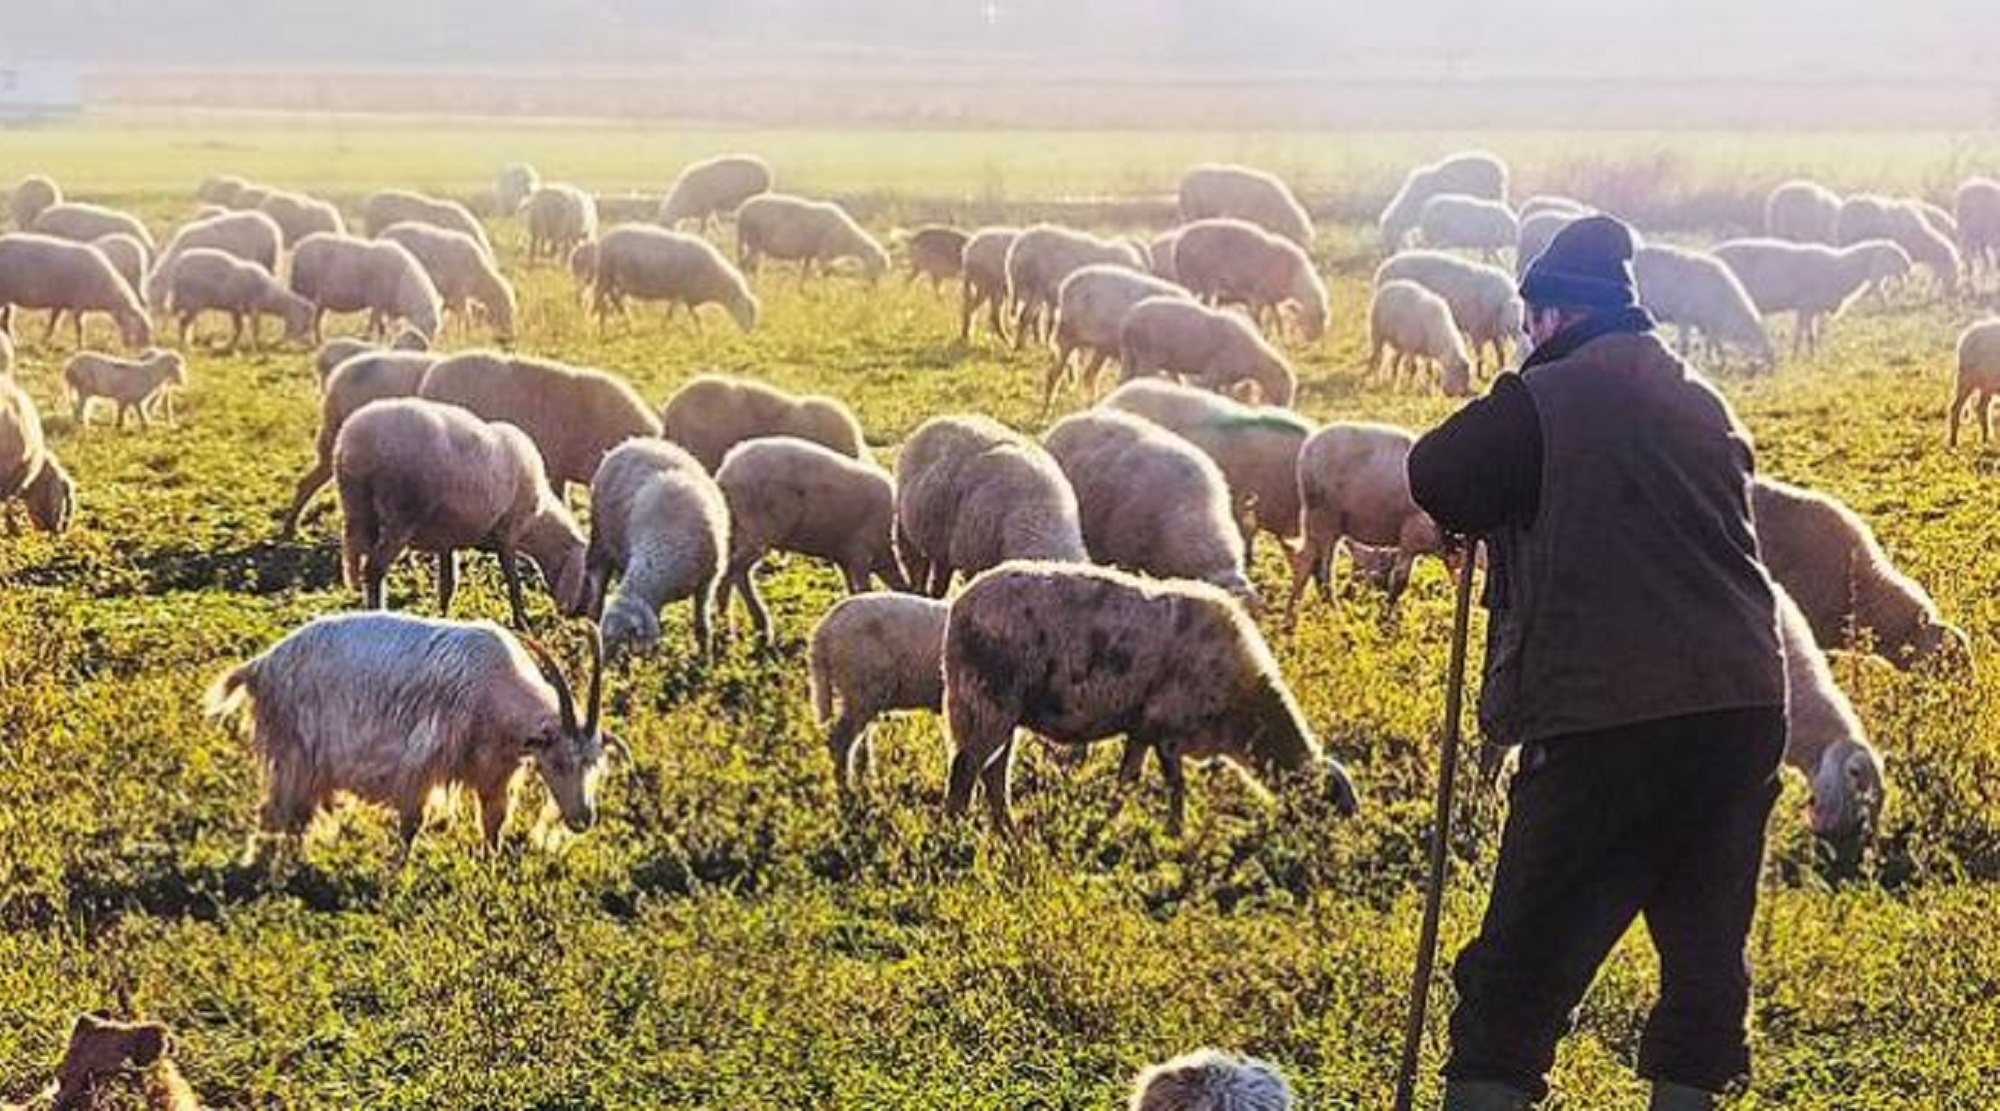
<point>1680,1097</point>
<point>1482,1095</point>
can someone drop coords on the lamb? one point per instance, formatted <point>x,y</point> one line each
<point>393,710</point>
<point>1038,261</point>
<point>1978,377</point>
<point>655,265</point>
<point>41,272</point>
<point>1472,174</point>
<point>1829,561</point>
<point>390,207</point>
<point>1150,501</point>
<point>714,187</point>
<point>300,217</point>
<point>1812,281</point>
<point>1977,205</point>
<point>340,273</point>
<point>1482,298</point>
<point>462,271</point>
<point>1803,212</point>
<point>250,236</point>
<point>34,195</point>
<point>1229,261</point>
<point>105,1058</point>
<point>1241,193</point>
<point>1209,1080</point>
<point>1079,654</point>
<point>415,473</point>
<point>984,279</point>
<point>1212,348</point>
<point>873,653</point>
<point>574,415</point>
<point>660,523</point>
<point>559,218</point>
<point>338,350</point>
<point>1415,325</point>
<point>1354,485</point>
<point>516,186</point>
<point>1537,232</point>
<point>789,494</point>
<point>28,469</point>
<point>82,223</point>
<point>1090,313</point>
<point>205,280</point>
<point>1453,221</point>
<point>1698,292</point>
<point>971,494</point>
<point>938,253</point>
<point>132,384</point>
<point>1824,737</point>
<point>713,413</point>
<point>369,376</point>
<point>812,233</point>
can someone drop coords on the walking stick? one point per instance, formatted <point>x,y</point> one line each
<point>1454,697</point>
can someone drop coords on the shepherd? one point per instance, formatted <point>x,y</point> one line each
<point>1632,656</point>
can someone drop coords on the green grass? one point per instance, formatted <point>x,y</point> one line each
<point>729,936</point>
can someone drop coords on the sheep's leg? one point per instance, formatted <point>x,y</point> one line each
<point>856,574</point>
<point>510,569</point>
<point>841,743</point>
<point>1951,415</point>
<point>967,305</point>
<point>167,400</point>
<point>318,326</point>
<point>1091,370</point>
<point>187,327</point>
<point>76,324</point>
<point>493,812</point>
<point>1304,560</point>
<point>938,579</point>
<point>993,781</point>
<point>321,472</point>
<point>235,332</point>
<point>745,583</point>
<point>704,632</point>
<point>447,565</point>
<point>1176,777</point>
<point>1058,370</point>
<point>49,331</point>
<point>1986,417</point>
<point>1021,322</point>
<point>1131,763</point>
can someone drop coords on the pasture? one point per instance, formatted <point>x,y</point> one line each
<point>730,935</point>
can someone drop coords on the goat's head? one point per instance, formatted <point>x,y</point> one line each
<point>567,754</point>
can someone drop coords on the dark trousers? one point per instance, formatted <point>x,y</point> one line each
<point>1664,819</point>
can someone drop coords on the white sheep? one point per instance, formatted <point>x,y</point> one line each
<point>251,236</point>
<point>34,195</point>
<point>1810,280</point>
<point>1160,255</point>
<point>340,273</point>
<point>132,384</point>
<point>1209,1080</point>
<point>1452,221</point>
<point>1040,258</point>
<point>1977,206</point>
<point>461,270</point>
<point>516,183</point>
<point>1978,377</point>
<point>1824,737</point>
<point>1090,316</point>
<point>1233,262</point>
<point>1354,485</point>
<point>812,233</point>
<point>41,272</point>
<point>385,209</point>
<point>1215,349</point>
<point>1698,292</point>
<point>714,187</point>
<point>651,264</point>
<point>712,413</point>
<point>28,469</point>
<point>983,279</point>
<point>1483,299</point>
<point>1472,174</point>
<point>1415,326</point>
<point>659,523</point>
<point>559,218</point>
<point>206,280</point>
<point>299,216</point>
<point>1241,193</point>
<point>971,494</point>
<point>1538,230</point>
<point>129,257</point>
<point>370,375</point>
<point>1928,246</point>
<point>84,223</point>
<point>575,415</point>
<point>870,654</point>
<point>1803,212</point>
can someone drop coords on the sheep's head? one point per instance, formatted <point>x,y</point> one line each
<point>1274,741</point>
<point>568,752</point>
<point>1455,377</point>
<point>297,313</point>
<point>173,365</point>
<point>51,497</point>
<point>583,261</point>
<point>743,310</point>
<point>134,328</point>
<point>1847,793</point>
<point>1941,644</point>
<point>630,624</point>
<point>100,1049</point>
<point>874,260</point>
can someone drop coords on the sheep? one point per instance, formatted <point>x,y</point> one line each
<point>517,184</point>
<point>712,413</point>
<point>1978,377</point>
<point>340,273</point>
<point>582,264</point>
<point>1209,1080</point>
<point>1863,216</point>
<point>129,257</point>
<point>371,375</point>
<point>1090,311</point>
<point>661,524</point>
<point>938,253</point>
<point>412,472</point>
<point>1803,212</point>
<point>1482,298</point>
<point>655,265</point>
<point>300,217</point>
<point>1829,561</point>
<point>34,195</point>
<point>1939,221</point>
<point>390,207</point>
<point>1537,232</point>
<point>462,272</point>
<point>1927,246</point>
<point>82,223</point>
<point>1041,257</point>
<point>1552,202</point>
<point>1812,281</point>
<point>105,1060</point>
<point>1233,261</point>
<point>338,350</point>
<point>1079,654</point>
<point>394,710</point>
<point>132,384</point>
<point>872,653</point>
<point>6,355</point>
<point>971,494</point>
<point>1149,500</point>
<point>574,414</point>
<point>1160,255</point>
<point>714,187</point>
<point>1354,485</point>
<point>1977,206</point>
<point>789,494</point>
<point>1698,292</point>
<point>1824,737</point>
<point>207,280</point>
<point>983,279</point>
<point>1452,221</point>
<point>1212,348</point>
<point>250,236</point>
<point>28,469</point>
<point>559,218</point>
<point>1239,192</point>
<point>221,190</point>
<point>813,233</point>
<point>1415,325</point>
<point>1473,174</point>
<point>41,272</point>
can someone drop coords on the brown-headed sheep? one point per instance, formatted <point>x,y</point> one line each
<point>1233,262</point>
<point>650,264</point>
<point>340,273</point>
<point>574,415</point>
<point>711,414</point>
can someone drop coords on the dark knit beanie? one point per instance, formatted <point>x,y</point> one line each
<point>1587,265</point>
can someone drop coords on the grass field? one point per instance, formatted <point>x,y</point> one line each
<point>728,936</point>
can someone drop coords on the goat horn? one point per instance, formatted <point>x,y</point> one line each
<point>596,642</point>
<point>552,671</point>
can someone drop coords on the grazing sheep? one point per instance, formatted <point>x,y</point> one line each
<point>340,273</point>
<point>793,495</point>
<point>413,473</point>
<point>394,710</point>
<point>1928,247</point>
<point>1472,174</point>
<point>390,207</point>
<point>1803,212</point>
<point>28,469</point>
<point>1212,348</point>
<point>971,494</point>
<point>1483,299</point>
<point>129,257</point>
<point>715,187</point>
<point>107,1063</point>
<point>1238,192</point>
<point>221,190</point>
<point>873,653</point>
<point>250,236</point>
<point>1863,216</point>
<point>559,218</point>
<point>984,279</point>
<point>251,198</point>
<point>1824,737</point>
<point>1538,230</point>
<point>1810,280</point>
<point>1080,654</point>
<point>575,415</point>
<point>1698,292</point>
<point>1160,255</point>
<point>1230,261</point>
<point>582,265</point>
<point>371,375</point>
<point>1209,1080</point>
<point>659,523</point>
<point>34,195</point>
<point>462,272</point>
<point>1978,377</point>
<point>812,233</point>
<point>84,223</point>
<point>1354,485</point>
<point>129,383</point>
<point>299,217</point>
<point>712,413</point>
<point>1552,202</point>
<point>1041,258</point>
<point>1828,559</point>
<point>41,272</point>
<point>1090,314</point>
<point>938,253</point>
<point>205,280</point>
<point>1150,500</point>
<point>654,265</point>
<point>1415,325</point>
<point>1451,221</point>
<point>516,186</point>
<point>1977,205</point>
